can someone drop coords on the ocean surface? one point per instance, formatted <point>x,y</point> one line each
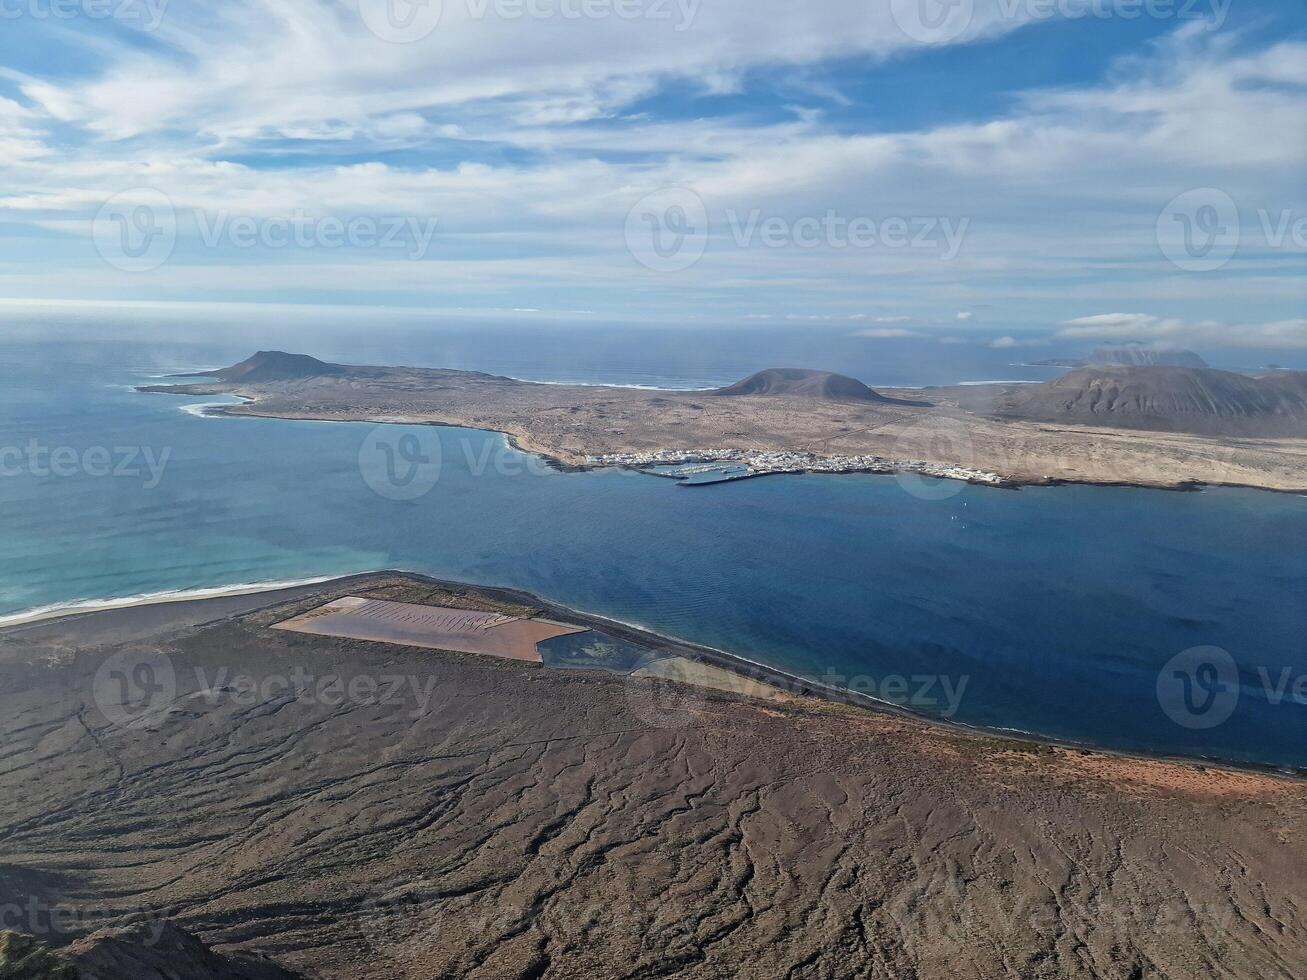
<point>1067,612</point>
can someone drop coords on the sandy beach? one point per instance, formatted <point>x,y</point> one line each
<point>82,607</point>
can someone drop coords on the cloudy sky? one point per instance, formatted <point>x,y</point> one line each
<point>1091,169</point>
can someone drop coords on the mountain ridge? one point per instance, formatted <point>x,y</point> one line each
<point>276,365</point>
<point>803,382</point>
<point>1135,355</point>
<point>1203,401</point>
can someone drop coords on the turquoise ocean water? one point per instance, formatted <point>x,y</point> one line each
<point>1055,610</point>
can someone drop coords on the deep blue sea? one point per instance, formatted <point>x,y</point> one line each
<point>1049,611</point>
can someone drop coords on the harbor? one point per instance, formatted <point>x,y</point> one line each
<point>699,468</point>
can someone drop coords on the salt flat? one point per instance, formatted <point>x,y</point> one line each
<point>432,627</point>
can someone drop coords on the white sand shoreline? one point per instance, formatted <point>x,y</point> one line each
<point>82,607</point>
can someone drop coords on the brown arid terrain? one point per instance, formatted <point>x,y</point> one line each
<point>498,819</point>
<point>1021,435</point>
<point>1198,400</point>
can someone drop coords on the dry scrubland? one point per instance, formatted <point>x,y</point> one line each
<point>540,823</point>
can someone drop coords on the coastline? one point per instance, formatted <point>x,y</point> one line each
<point>388,832</point>
<point>523,443</point>
<point>791,684</point>
<point>54,612</point>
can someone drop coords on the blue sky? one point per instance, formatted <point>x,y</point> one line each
<point>1084,169</point>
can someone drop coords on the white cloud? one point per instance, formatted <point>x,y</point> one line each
<point>1061,194</point>
<point>249,68</point>
<point>1143,327</point>
<point>1010,343</point>
<point>886,333</point>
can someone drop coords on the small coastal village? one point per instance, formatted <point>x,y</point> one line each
<point>708,466</point>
